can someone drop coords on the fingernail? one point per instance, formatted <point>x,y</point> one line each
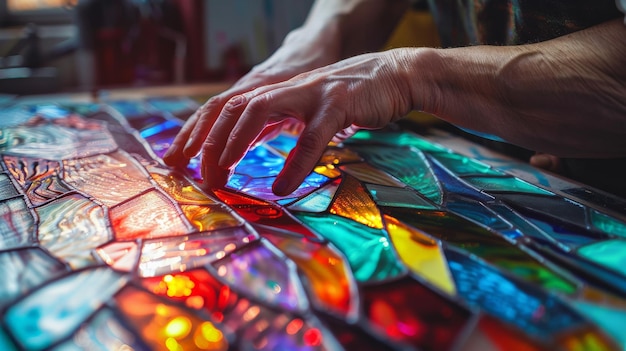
<point>236,100</point>
<point>188,144</point>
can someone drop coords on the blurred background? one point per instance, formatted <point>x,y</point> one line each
<point>52,46</point>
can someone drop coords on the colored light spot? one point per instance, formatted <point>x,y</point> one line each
<point>251,313</point>
<point>178,327</point>
<point>173,345</point>
<point>312,337</point>
<point>294,326</point>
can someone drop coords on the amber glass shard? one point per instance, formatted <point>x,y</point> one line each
<point>186,252</point>
<point>610,254</point>
<point>462,165</point>
<point>110,178</point>
<point>407,165</point>
<point>123,256</point>
<point>353,201</point>
<point>329,171</point>
<point>505,184</point>
<point>167,326</point>
<point>206,218</point>
<point>22,270</point>
<point>7,190</point>
<point>330,281</point>
<point>318,201</point>
<point>150,215</point>
<point>260,272</point>
<point>71,227</point>
<point>338,156</point>
<point>51,313</point>
<point>17,225</point>
<point>486,245</point>
<point>105,331</point>
<point>589,338</point>
<point>533,310</point>
<point>179,188</point>
<point>398,197</point>
<point>402,138</point>
<point>367,249</point>
<point>368,174</point>
<point>406,311</point>
<point>422,254</point>
<point>58,139</point>
<point>262,212</point>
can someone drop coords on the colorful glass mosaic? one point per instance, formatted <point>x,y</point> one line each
<point>393,242</point>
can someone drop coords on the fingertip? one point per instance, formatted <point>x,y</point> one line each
<point>281,187</point>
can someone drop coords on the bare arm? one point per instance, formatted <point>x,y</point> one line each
<point>565,96</point>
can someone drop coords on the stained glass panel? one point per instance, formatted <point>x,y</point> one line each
<point>394,241</point>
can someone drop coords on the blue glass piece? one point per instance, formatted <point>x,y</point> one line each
<point>564,235</point>
<point>22,270</point>
<point>19,114</point>
<point>50,111</point>
<point>283,142</point>
<point>316,180</point>
<point>129,109</point>
<point>453,185</point>
<point>527,228</point>
<point>484,135</point>
<point>174,105</point>
<point>17,224</point>
<point>532,310</point>
<point>477,212</point>
<point>512,234</point>
<point>51,313</point>
<point>407,165</point>
<point>237,181</point>
<point>260,162</point>
<point>159,128</point>
<point>262,189</point>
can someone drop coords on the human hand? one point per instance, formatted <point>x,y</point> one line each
<point>366,91</point>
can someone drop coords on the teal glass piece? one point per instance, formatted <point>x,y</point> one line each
<point>406,164</point>
<point>264,273</point>
<point>368,250</point>
<point>284,143</point>
<point>394,139</point>
<point>17,225</point>
<point>172,104</point>
<point>22,270</point>
<point>51,313</point>
<point>610,319</point>
<point>462,165</point>
<point>477,212</point>
<point>505,184</point>
<point>5,342</point>
<point>527,228</point>
<point>565,236</point>
<point>610,254</point>
<point>318,201</point>
<point>608,224</point>
<point>7,190</point>
<point>398,197</point>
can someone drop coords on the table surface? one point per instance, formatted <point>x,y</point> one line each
<point>397,240</point>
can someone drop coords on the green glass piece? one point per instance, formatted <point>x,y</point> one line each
<point>398,197</point>
<point>491,247</point>
<point>505,184</point>
<point>608,224</point>
<point>610,254</point>
<point>368,250</point>
<point>461,165</point>
<point>611,320</point>
<point>406,164</point>
<point>395,139</point>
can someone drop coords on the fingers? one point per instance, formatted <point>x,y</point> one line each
<point>174,155</point>
<point>547,162</point>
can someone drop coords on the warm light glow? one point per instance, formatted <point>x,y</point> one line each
<point>313,337</point>
<point>178,327</point>
<point>294,326</point>
<point>251,313</point>
<point>25,5</point>
<point>178,286</point>
<point>210,333</point>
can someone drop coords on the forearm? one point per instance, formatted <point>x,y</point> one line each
<point>565,96</point>
<point>362,25</point>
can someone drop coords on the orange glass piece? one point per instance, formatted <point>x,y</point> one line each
<point>329,171</point>
<point>336,156</point>
<point>589,338</point>
<point>353,201</point>
<point>110,178</point>
<point>333,287</point>
<point>150,215</point>
<point>422,254</point>
<point>368,174</point>
<point>491,334</point>
<point>213,217</point>
<point>233,199</point>
<point>166,326</point>
<point>179,188</point>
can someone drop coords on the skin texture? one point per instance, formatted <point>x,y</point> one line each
<point>564,97</point>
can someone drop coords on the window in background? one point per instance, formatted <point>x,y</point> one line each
<point>28,5</point>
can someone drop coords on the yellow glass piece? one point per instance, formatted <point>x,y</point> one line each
<point>179,188</point>
<point>353,201</point>
<point>329,171</point>
<point>422,254</point>
<point>368,174</point>
<point>327,274</point>
<point>210,217</point>
<point>176,285</point>
<point>589,339</point>
<point>168,327</point>
<point>337,156</point>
